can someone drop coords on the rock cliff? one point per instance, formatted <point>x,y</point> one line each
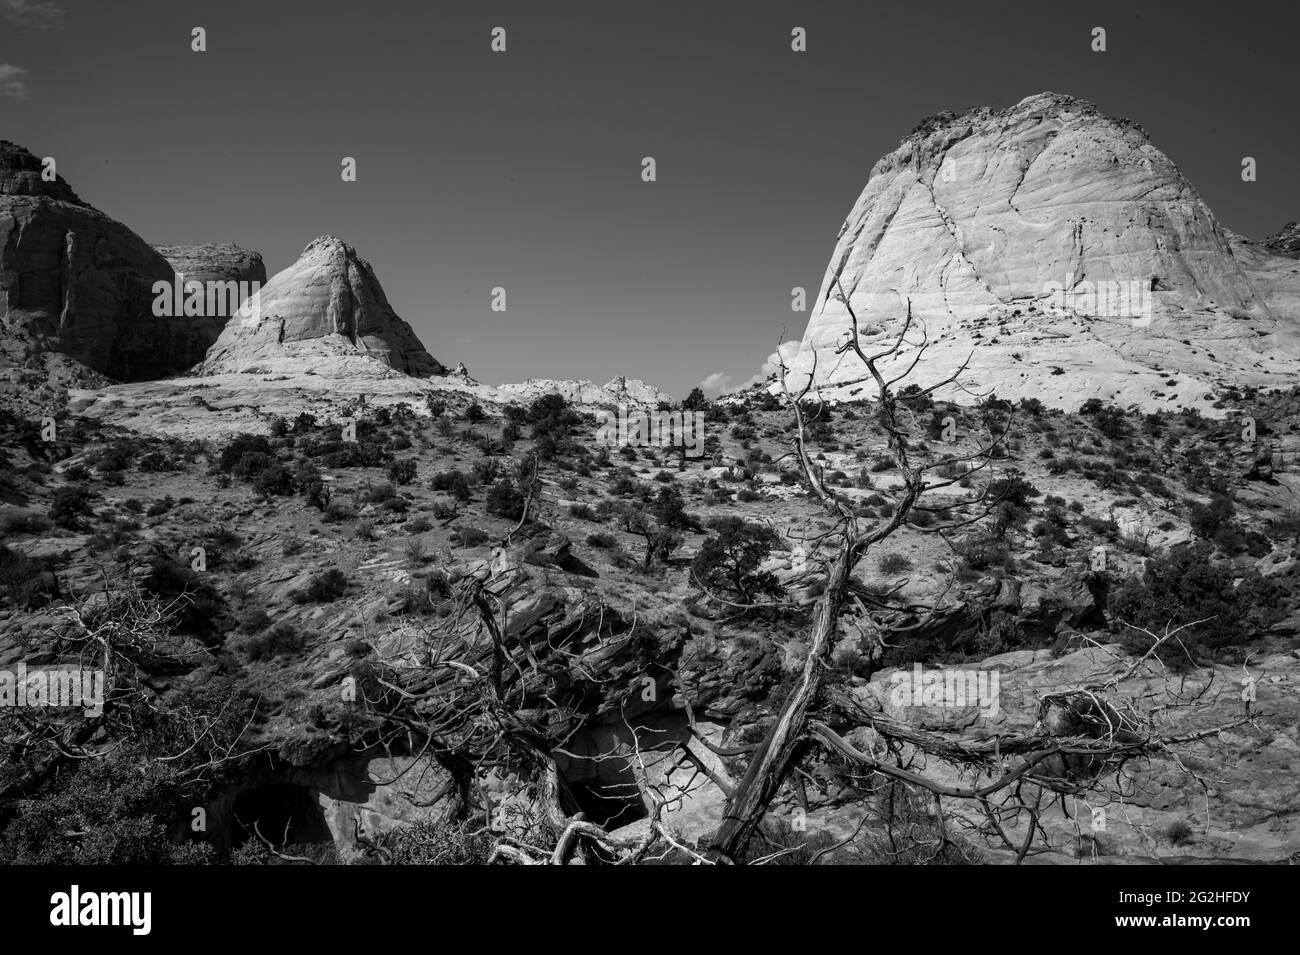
<point>77,282</point>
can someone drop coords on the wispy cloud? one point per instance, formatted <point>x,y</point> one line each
<point>13,81</point>
<point>33,14</point>
<point>716,381</point>
<point>785,352</point>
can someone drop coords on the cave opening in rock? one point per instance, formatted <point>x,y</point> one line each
<point>612,799</point>
<point>282,812</point>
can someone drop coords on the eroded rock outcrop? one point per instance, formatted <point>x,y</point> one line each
<point>215,265</point>
<point>1286,241</point>
<point>325,314</point>
<point>77,282</point>
<point>1067,253</point>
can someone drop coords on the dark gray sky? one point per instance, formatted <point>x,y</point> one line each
<point>522,169</point>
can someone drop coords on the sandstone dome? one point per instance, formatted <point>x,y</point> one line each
<point>325,314</point>
<point>1067,253</point>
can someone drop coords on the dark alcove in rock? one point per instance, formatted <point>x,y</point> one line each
<point>274,807</point>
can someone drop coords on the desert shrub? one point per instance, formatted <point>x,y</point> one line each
<point>582,512</point>
<point>452,482</point>
<point>233,453</point>
<point>123,806</point>
<point>893,564</point>
<point>160,507</point>
<point>336,513</point>
<point>16,522</point>
<point>504,500</point>
<point>601,539</point>
<point>201,606</point>
<point>1013,490</point>
<point>1207,519</point>
<point>418,525</point>
<point>282,639</point>
<point>1184,586</point>
<point>1102,527</point>
<point>116,457</point>
<point>273,481</point>
<point>485,471</point>
<point>1179,833</point>
<point>379,493</point>
<point>728,560</point>
<point>402,471</point>
<point>469,536</point>
<point>323,587</point>
<point>156,461</point>
<point>24,580</point>
<point>70,505</point>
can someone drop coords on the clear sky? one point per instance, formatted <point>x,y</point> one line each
<point>523,169</point>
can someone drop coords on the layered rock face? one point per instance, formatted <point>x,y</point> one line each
<point>73,280</point>
<point>214,262</point>
<point>215,266</point>
<point>326,314</point>
<point>1065,254</point>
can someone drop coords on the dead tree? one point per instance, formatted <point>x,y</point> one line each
<point>1080,736</point>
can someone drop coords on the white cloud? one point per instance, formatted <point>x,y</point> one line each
<point>33,14</point>
<point>13,81</point>
<point>718,381</point>
<point>772,364</point>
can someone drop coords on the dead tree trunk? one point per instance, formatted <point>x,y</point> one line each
<point>772,761</point>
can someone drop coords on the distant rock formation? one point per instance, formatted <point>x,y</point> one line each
<point>620,390</point>
<point>1286,241</point>
<point>325,314</point>
<point>214,262</point>
<point>210,264</point>
<point>1067,253</point>
<point>74,281</point>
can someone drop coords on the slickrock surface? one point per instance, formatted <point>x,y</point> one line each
<point>217,406</point>
<point>321,312</point>
<point>979,219</point>
<point>75,281</point>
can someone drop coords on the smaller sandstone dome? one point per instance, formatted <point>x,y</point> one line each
<point>325,308</point>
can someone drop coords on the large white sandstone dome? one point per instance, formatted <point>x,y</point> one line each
<point>1063,250</point>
